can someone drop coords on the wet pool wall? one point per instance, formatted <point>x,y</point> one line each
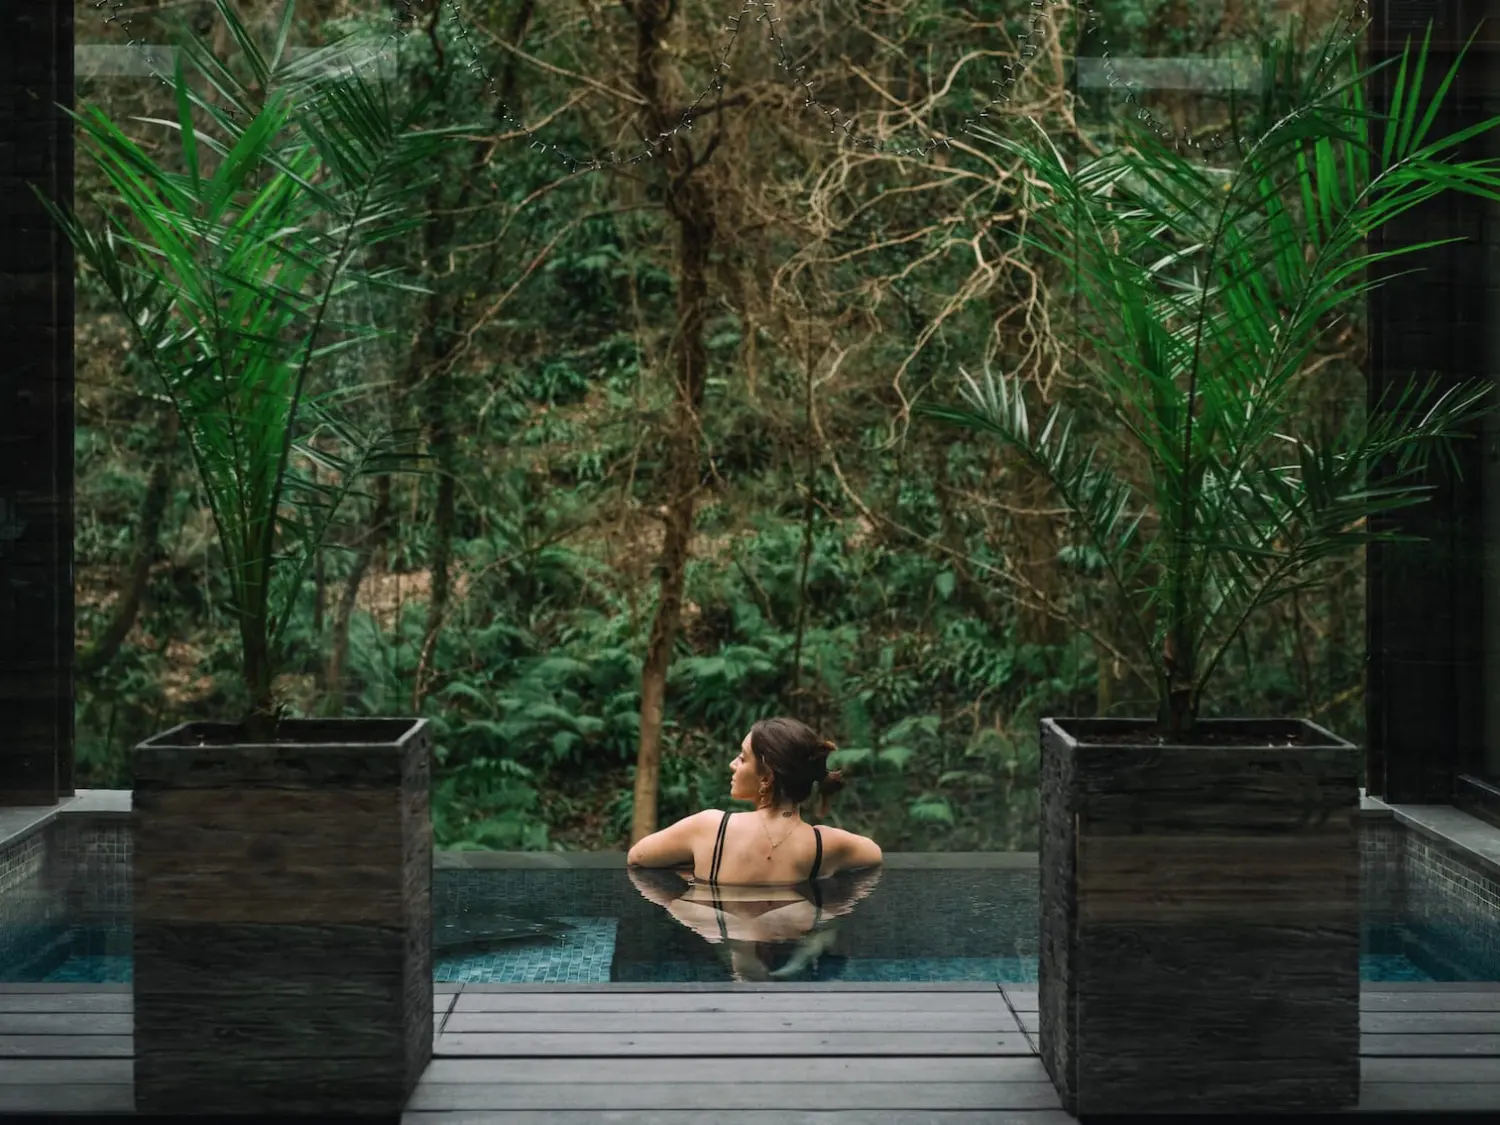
<point>77,868</point>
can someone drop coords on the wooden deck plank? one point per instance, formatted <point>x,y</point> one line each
<point>810,1019</point>
<point>1427,1023</point>
<point>726,1001</point>
<point>67,1023</point>
<point>1449,1097</point>
<point>829,1070</point>
<point>50,1098</point>
<point>1412,1001</point>
<point>1020,1001</point>
<point>66,1002</point>
<point>716,1096</point>
<point>71,999</point>
<point>749,986</point>
<point>24,987</point>
<point>1415,1035</point>
<point>727,1044</point>
<point>1367,988</point>
<point>1432,1045</point>
<point>744,1117</point>
<point>36,1072</point>
<point>66,1046</point>
<point>1430,986</point>
<point>1429,1002</point>
<point>1435,1071</point>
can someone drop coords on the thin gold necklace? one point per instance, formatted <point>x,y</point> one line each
<point>774,842</point>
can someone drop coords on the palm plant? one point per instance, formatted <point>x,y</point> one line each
<point>1212,293</point>
<point>229,269</point>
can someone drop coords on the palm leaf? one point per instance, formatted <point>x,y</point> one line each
<point>229,274</point>
<point>1215,287</point>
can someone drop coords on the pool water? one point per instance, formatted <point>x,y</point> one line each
<point>70,960</point>
<point>586,926</point>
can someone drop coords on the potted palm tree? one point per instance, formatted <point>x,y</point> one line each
<point>282,871</point>
<point>1199,875</point>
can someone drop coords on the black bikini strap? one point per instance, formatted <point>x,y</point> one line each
<point>818,855</point>
<point>713,870</point>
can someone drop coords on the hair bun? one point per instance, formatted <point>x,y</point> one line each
<point>832,782</point>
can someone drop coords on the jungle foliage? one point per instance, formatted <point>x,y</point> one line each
<point>915,597</point>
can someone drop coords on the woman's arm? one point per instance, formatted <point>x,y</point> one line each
<point>674,845</point>
<point>849,851</point>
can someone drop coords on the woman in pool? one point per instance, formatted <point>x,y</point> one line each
<point>754,887</point>
<point>779,763</point>
<point>763,933</point>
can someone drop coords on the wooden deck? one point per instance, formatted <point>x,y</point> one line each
<point>744,1055</point>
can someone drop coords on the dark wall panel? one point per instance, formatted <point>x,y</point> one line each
<point>1426,619</point>
<point>36,407</point>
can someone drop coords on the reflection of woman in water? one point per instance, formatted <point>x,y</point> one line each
<point>754,884</point>
<point>768,933</point>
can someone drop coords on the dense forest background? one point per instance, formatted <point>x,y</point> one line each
<point>776,533</point>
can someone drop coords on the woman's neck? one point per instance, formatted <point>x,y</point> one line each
<point>776,812</point>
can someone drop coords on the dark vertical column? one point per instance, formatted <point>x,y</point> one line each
<point>1488,796</point>
<point>1426,600</point>
<point>36,407</point>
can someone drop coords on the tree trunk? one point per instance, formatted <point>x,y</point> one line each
<point>441,385</point>
<point>1037,543</point>
<point>260,723</point>
<point>809,513</point>
<point>333,677</point>
<point>1104,696</point>
<point>440,429</point>
<point>689,205</point>
<point>153,512</point>
<point>320,588</point>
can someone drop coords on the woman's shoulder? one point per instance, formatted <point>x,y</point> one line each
<point>850,847</point>
<point>830,833</point>
<point>706,818</point>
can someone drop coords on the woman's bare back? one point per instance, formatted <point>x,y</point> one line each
<point>758,853</point>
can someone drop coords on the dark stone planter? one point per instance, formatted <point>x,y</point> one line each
<point>283,919</point>
<point>1199,921</point>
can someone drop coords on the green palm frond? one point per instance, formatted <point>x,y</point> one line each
<point>1209,291</point>
<point>229,272</point>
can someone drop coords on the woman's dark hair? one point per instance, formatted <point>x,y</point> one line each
<point>797,759</point>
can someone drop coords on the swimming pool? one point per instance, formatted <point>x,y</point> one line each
<point>593,925</point>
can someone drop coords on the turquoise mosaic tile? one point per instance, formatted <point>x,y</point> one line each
<point>93,969</point>
<point>581,954</point>
<point>1003,970</point>
<point>672,972</point>
<point>1389,966</point>
<point>1009,970</point>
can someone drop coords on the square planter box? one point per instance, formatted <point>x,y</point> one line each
<point>1199,920</point>
<point>283,919</point>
